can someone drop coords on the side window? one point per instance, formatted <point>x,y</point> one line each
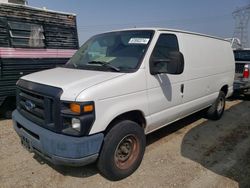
<point>242,55</point>
<point>166,43</point>
<point>166,57</point>
<point>26,35</point>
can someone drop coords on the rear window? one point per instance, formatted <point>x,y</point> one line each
<point>242,55</point>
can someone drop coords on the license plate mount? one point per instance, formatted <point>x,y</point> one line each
<point>26,143</point>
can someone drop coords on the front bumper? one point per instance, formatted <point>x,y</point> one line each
<point>57,148</point>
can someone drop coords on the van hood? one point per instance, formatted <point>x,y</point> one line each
<point>71,81</point>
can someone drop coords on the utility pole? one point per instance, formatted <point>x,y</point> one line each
<point>242,17</point>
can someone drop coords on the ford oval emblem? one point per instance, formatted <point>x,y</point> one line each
<point>29,105</point>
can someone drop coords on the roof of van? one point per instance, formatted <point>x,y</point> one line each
<point>39,9</point>
<point>173,30</point>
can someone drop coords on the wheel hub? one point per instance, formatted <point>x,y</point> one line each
<point>220,105</point>
<point>127,152</point>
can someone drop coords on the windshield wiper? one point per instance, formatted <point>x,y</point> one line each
<point>105,64</point>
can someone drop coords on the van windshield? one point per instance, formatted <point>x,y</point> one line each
<point>116,51</point>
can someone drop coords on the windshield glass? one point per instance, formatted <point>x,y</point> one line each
<point>116,51</point>
<point>242,55</point>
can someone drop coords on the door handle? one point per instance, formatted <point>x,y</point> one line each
<point>182,88</point>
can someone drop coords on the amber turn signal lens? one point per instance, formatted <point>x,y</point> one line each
<point>75,108</point>
<point>88,108</point>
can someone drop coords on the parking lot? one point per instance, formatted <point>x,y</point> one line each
<point>193,152</point>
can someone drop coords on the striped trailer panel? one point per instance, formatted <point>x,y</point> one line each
<point>11,69</point>
<point>35,53</point>
<point>31,40</point>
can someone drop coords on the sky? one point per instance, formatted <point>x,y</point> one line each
<point>212,17</point>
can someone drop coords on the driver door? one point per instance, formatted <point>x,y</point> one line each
<point>165,91</point>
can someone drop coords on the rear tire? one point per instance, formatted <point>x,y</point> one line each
<point>216,111</point>
<point>122,151</point>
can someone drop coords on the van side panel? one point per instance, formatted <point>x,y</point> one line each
<point>209,66</point>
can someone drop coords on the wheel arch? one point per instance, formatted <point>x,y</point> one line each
<point>136,116</point>
<point>224,89</point>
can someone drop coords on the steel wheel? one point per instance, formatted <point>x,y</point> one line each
<point>122,150</point>
<point>127,152</point>
<point>221,105</point>
<point>215,111</point>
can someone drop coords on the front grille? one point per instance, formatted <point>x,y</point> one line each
<point>35,107</point>
<point>239,67</point>
<point>40,104</point>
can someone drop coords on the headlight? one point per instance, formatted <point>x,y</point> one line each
<point>76,124</point>
<point>77,118</point>
<point>71,126</point>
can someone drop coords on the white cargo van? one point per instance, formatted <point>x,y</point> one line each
<point>117,88</point>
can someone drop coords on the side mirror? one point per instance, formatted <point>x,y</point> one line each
<point>173,65</point>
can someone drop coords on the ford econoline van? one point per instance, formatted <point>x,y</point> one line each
<point>117,88</point>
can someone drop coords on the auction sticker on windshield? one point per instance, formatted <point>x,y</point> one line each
<point>138,41</point>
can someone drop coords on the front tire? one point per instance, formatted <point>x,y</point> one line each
<point>216,111</point>
<point>123,150</point>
